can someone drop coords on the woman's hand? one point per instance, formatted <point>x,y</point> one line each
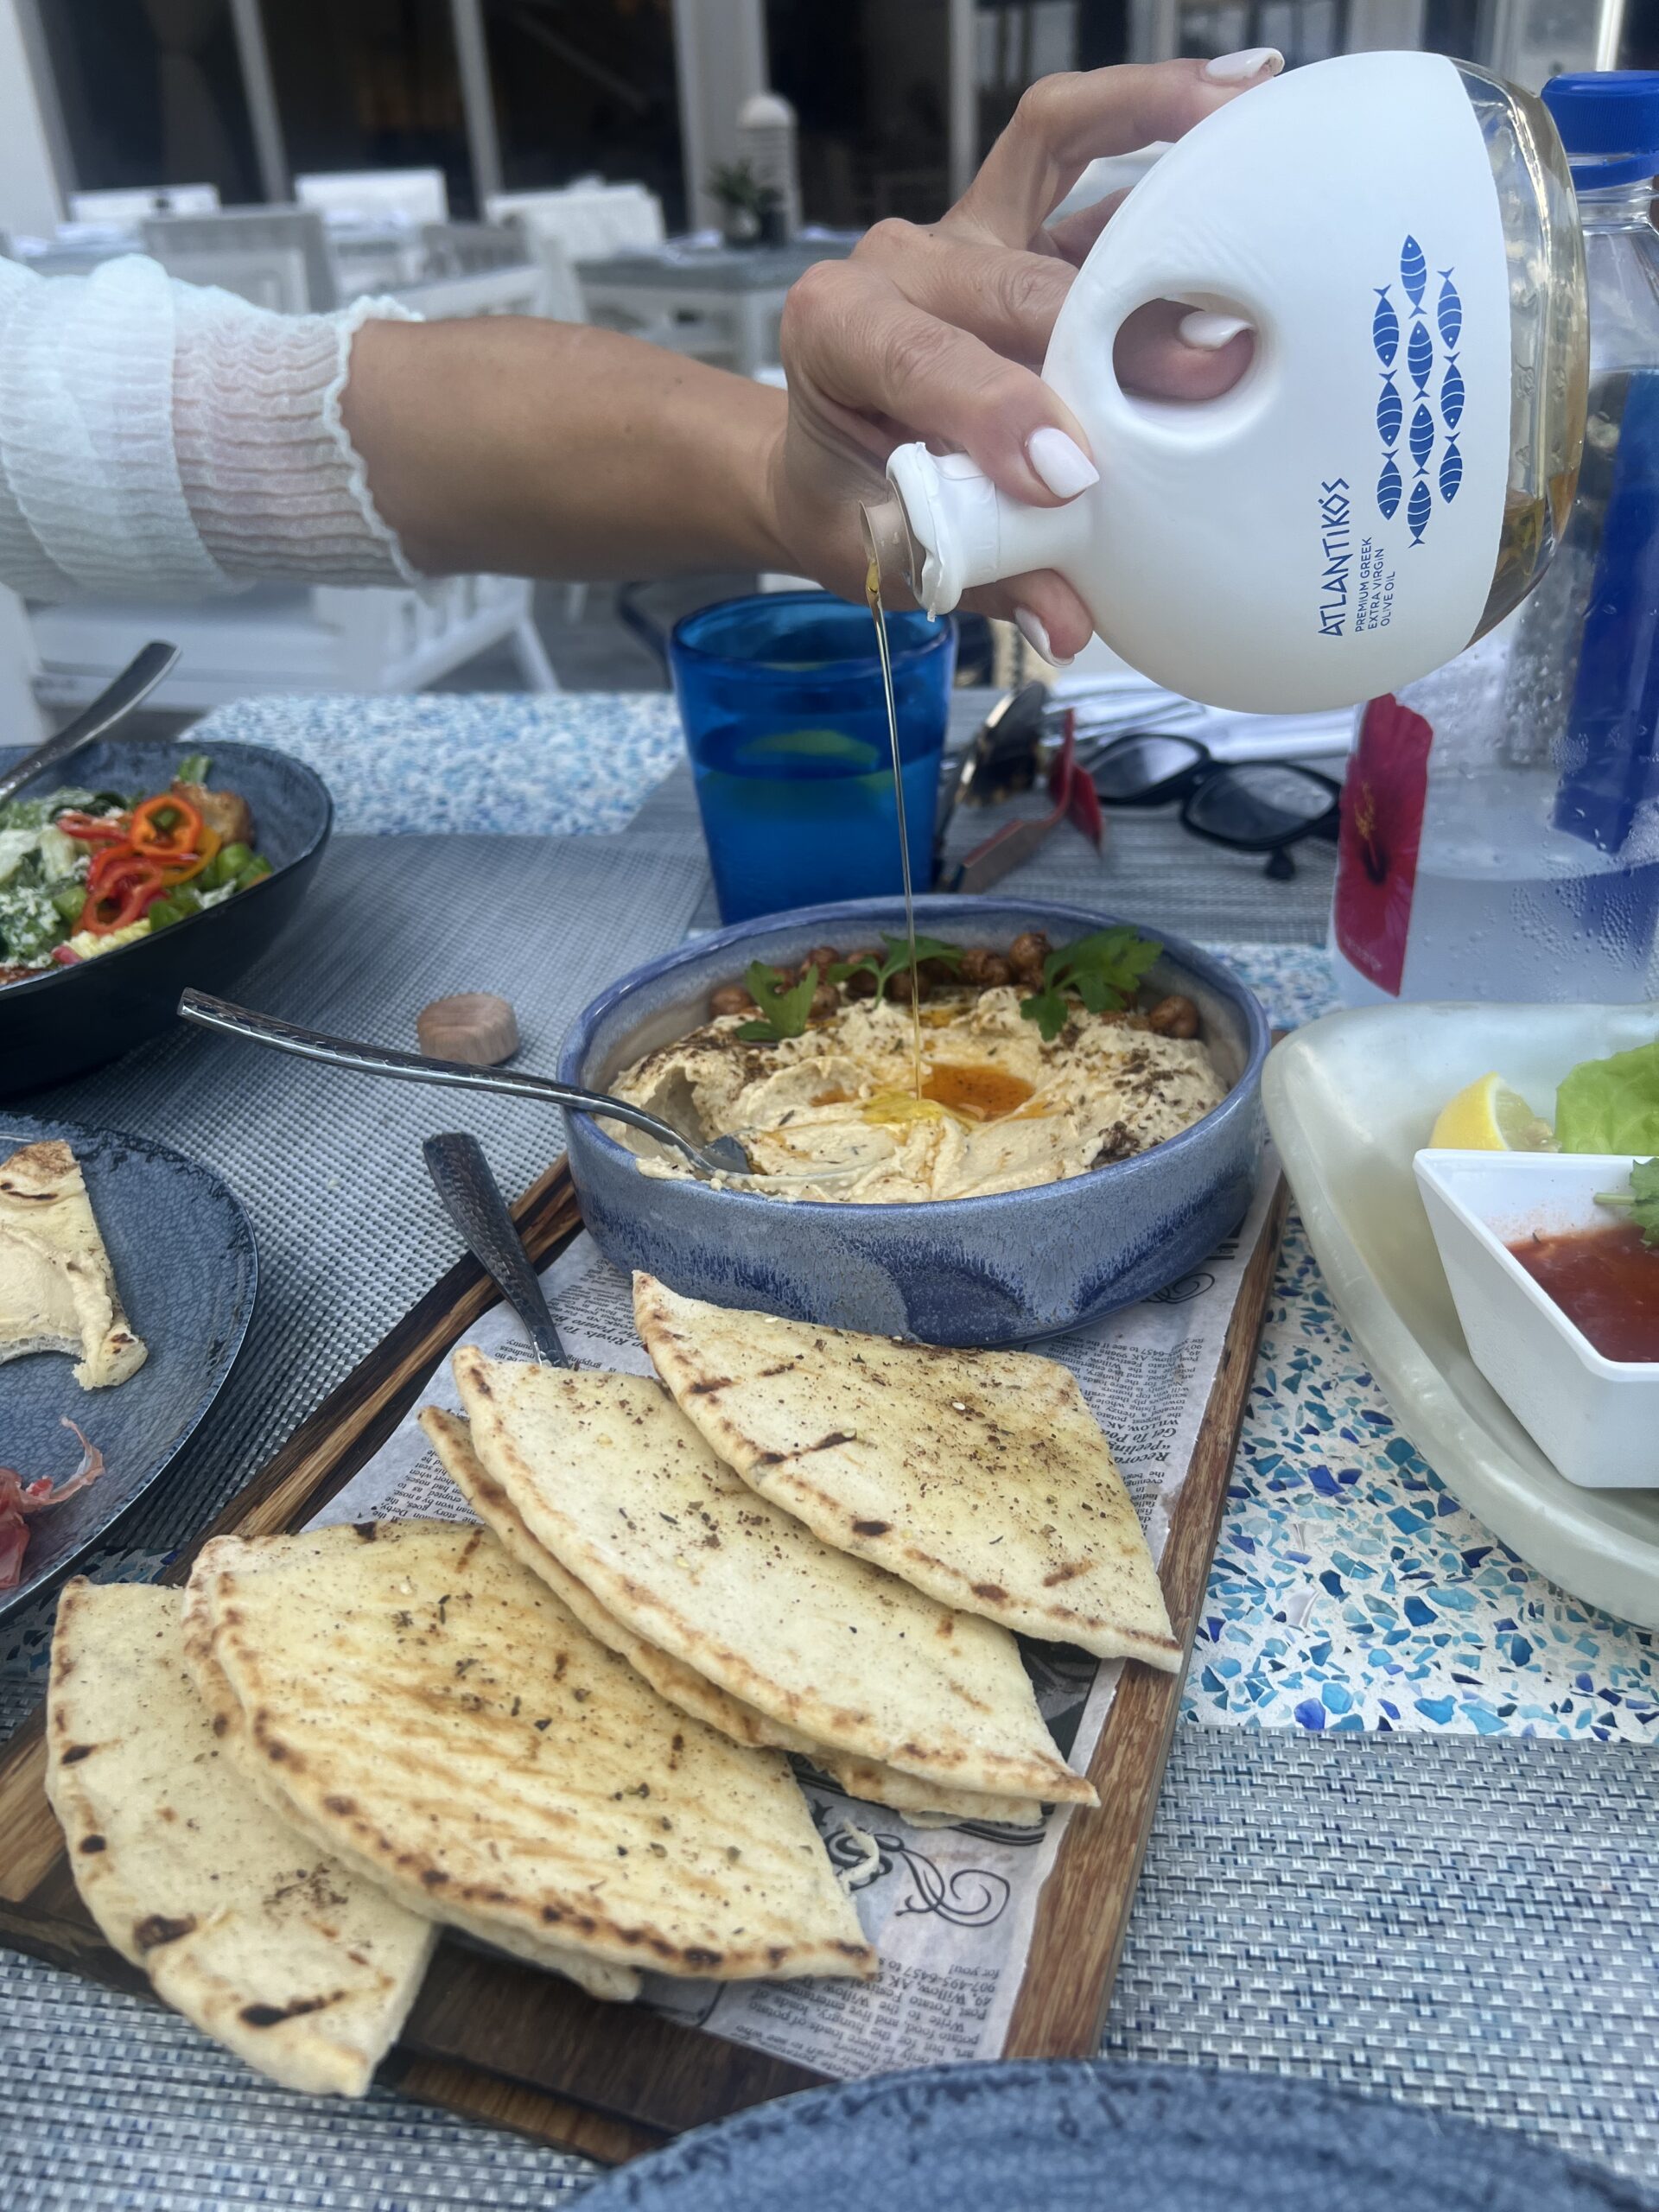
<point>937,332</point>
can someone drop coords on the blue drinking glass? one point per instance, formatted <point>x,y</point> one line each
<point>781,699</point>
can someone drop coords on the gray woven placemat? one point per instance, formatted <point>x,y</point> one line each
<point>329,1165</point>
<point>1150,872</point>
<point>1465,1924</point>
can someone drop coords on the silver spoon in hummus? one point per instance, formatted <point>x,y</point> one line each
<point>715,1156</point>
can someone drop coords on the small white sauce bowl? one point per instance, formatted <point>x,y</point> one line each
<point>1597,1418</point>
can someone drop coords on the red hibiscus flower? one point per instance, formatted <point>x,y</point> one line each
<point>1382,824</point>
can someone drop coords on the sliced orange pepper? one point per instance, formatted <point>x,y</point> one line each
<point>166,826</point>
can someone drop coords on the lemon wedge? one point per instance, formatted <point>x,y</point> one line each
<point>1488,1117</point>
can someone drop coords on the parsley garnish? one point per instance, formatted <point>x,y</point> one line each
<point>785,1007</point>
<point>1104,970</point>
<point>898,957</point>
<point>1641,1198</point>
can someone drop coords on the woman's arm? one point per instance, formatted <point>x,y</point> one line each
<point>553,449</point>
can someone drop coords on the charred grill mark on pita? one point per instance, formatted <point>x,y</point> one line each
<point>157,1929</point>
<point>89,1844</point>
<point>76,1751</point>
<point>272,2016</point>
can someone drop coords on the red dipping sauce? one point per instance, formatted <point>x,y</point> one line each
<point>1606,1282</point>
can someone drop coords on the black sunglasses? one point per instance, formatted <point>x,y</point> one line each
<point>1255,806</point>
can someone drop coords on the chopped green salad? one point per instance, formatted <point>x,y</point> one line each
<point>84,871</point>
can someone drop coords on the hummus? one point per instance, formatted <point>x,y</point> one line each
<point>832,1113</point>
<point>57,1288</point>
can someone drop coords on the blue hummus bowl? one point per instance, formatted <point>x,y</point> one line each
<point>957,1271</point>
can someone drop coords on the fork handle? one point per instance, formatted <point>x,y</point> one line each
<point>133,686</point>
<point>415,1067</point>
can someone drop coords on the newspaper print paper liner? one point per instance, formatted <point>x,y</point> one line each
<point>951,1910</point>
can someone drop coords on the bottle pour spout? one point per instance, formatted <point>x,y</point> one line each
<point>948,528</point>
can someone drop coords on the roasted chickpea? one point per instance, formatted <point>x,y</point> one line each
<point>899,987</point>
<point>826,1001</point>
<point>823,957</point>
<point>862,985</point>
<point>973,964</point>
<point>1029,949</point>
<point>1174,1016</point>
<point>996,973</point>
<point>730,998</point>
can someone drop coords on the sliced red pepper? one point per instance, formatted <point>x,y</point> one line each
<point>122,888</point>
<point>93,828</point>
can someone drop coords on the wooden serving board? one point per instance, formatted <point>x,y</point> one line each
<point>506,2044</point>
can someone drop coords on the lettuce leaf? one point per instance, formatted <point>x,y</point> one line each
<point>1611,1105</point>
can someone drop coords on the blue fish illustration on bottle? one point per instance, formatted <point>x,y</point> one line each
<point>1450,472</point>
<point>1417,509</point>
<point>1388,489</point>
<point>1421,436</point>
<point>1452,395</point>
<point>1413,271</point>
<point>1385,328</point>
<point>1448,311</point>
<point>1419,356</point>
<point>1390,412</point>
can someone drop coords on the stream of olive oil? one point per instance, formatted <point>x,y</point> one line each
<point>878,613</point>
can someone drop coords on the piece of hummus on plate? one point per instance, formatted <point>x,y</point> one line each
<point>57,1288</point>
<point>832,1113</point>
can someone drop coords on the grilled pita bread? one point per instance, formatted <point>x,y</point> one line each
<point>619,1985</point>
<point>617,1484</point>
<point>57,1288</point>
<point>980,1476</point>
<point>416,1694</point>
<point>451,1438</point>
<point>270,1946</point>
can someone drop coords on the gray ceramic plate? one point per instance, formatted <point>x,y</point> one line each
<point>184,1263</point>
<point>1090,2137</point>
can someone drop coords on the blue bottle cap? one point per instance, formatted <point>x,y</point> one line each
<point>1609,121</point>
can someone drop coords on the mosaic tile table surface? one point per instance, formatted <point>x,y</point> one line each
<point>1349,1590</point>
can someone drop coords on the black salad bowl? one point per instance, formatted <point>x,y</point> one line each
<point>71,1018</point>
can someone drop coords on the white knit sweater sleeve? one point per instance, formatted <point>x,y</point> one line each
<point>172,440</point>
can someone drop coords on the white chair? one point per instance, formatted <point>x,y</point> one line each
<point>367,195</point>
<point>562,298</point>
<point>276,256</point>
<point>126,208</point>
<point>284,640</point>
<point>593,222</point>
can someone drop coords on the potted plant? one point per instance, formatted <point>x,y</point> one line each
<point>750,212</point>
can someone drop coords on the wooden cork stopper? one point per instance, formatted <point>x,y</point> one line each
<point>476,1027</point>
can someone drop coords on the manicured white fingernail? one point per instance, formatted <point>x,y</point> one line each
<point>1239,68</point>
<point>1061,462</point>
<point>1033,629</point>
<point>1209,332</point>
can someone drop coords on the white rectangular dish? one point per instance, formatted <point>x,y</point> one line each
<point>1597,1418</point>
<point>1351,1100</point>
